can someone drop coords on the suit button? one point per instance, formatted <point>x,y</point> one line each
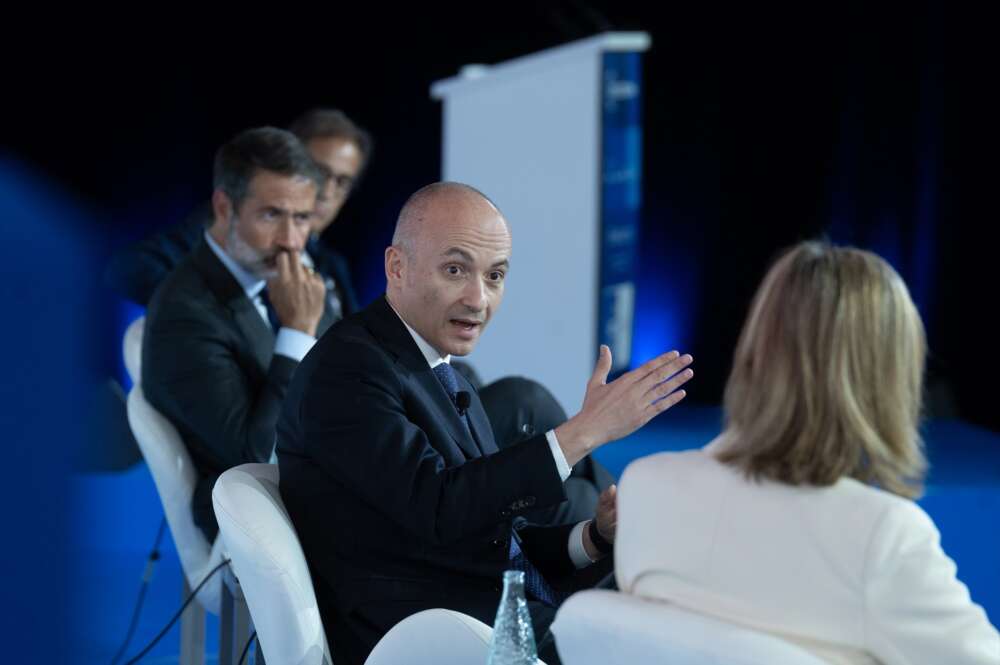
<point>505,513</point>
<point>496,542</point>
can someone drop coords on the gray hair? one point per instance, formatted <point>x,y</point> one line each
<point>262,149</point>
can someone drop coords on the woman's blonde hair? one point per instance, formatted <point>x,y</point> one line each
<point>827,375</point>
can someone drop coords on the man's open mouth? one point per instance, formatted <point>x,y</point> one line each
<point>466,324</point>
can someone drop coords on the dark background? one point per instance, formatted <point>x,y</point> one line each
<point>866,122</point>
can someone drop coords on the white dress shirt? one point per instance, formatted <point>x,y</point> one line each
<point>289,342</point>
<point>577,553</point>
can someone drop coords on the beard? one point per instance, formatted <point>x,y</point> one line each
<point>256,262</point>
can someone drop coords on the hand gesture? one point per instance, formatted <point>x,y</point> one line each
<point>297,294</point>
<point>615,410</point>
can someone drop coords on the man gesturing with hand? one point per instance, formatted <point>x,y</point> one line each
<point>399,494</point>
<point>614,410</point>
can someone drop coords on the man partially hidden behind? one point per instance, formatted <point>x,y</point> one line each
<point>226,330</point>
<point>389,468</point>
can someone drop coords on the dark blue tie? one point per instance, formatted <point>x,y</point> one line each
<point>534,583</point>
<point>446,375</point>
<point>272,315</point>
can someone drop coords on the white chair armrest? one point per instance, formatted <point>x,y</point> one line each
<point>434,637</point>
<point>601,627</point>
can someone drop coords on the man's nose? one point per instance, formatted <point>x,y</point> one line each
<point>288,236</point>
<point>474,295</point>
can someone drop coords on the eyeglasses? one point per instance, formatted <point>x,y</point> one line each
<point>343,182</point>
<point>342,186</point>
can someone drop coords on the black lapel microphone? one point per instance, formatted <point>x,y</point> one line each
<point>463,400</point>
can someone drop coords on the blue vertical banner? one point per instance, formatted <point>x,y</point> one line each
<point>621,198</point>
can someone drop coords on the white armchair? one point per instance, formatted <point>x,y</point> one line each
<point>175,478</point>
<point>600,627</point>
<point>132,348</point>
<point>435,637</point>
<point>271,567</point>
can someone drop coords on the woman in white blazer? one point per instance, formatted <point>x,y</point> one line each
<point>798,519</point>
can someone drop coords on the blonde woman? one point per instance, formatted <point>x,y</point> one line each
<point>798,519</point>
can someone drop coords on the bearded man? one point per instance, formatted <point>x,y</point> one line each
<point>226,330</point>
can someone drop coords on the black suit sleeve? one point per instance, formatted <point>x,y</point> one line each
<point>356,424</point>
<point>548,549</point>
<point>201,384</point>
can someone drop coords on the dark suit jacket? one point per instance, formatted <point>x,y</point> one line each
<point>208,366</point>
<point>398,506</point>
<point>333,265</point>
<point>136,271</point>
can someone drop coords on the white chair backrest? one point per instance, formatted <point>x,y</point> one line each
<point>601,627</point>
<point>175,478</point>
<point>268,561</point>
<point>435,637</point>
<point>132,348</point>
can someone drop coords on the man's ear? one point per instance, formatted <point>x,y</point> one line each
<point>395,266</point>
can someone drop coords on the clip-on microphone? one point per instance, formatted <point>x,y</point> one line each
<point>463,400</point>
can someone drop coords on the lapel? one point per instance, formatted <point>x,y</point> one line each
<point>393,335</point>
<point>225,288</point>
<point>447,413</point>
<point>322,266</point>
<point>479,422</point>
<point>325,321</point>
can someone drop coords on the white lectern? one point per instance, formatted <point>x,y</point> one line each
<point>554,138</point>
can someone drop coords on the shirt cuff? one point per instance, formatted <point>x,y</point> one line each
<point>557,454</point>
<point>293,343</point>
<point>577,552</point>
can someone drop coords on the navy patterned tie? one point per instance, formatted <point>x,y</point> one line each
<point>534,582</point>
<point>446,375</point>
<point>272,315</point>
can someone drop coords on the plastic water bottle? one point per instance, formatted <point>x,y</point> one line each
<point>513,640</point>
